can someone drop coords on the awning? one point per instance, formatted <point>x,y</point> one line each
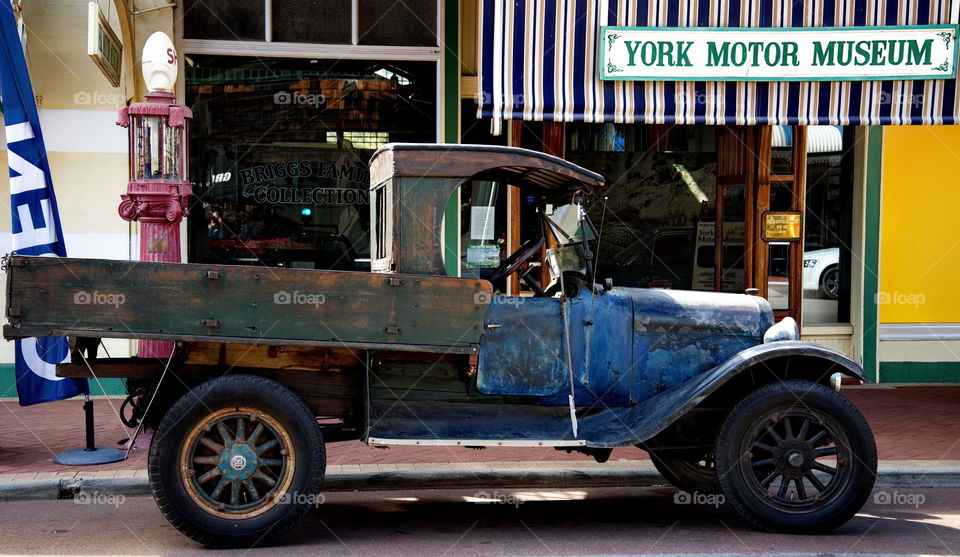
<point>539,62</point>
<point>820,139</point>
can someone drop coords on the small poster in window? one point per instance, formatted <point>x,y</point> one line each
<point>483,256</point>
<point>482,220</point>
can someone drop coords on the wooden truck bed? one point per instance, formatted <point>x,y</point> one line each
<point>240,304</point>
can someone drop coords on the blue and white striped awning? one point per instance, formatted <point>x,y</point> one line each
<point>538,62</point>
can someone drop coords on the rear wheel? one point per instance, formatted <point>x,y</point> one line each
<point>237,461</point>
<point>693,473</point>
<point>796,456</point>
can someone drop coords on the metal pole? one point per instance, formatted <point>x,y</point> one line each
<point>88,415</point>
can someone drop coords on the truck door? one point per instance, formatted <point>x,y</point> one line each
<point>522,348</point>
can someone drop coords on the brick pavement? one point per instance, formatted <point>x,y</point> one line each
<point>916,423</point>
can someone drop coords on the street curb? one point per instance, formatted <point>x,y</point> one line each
<point>554,477</point>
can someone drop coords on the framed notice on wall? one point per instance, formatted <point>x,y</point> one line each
<point>782,227</point>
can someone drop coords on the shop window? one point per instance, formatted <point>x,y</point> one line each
<point>312,21</point>
<point>828,224</point>
<point>230,20</point>
<point>660,191</point>
<point>411,22</point>
<point>280,151</point>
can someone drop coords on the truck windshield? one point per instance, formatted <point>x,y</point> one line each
<point>567,218</point>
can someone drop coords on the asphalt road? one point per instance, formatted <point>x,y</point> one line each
<point>610,521</point>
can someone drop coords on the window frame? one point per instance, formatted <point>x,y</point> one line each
<point>352,51</point>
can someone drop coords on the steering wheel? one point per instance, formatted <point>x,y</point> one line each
<point>510,265</point>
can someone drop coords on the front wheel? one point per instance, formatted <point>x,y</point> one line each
<point>237,461</point>
<point>686,472</point>
<point>795,456</point>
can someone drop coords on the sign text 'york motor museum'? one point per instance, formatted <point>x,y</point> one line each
<point>782,54</point>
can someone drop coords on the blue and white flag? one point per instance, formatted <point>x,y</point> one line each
<point>36,222</point>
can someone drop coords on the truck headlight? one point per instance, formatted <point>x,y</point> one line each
<point>784,330</point>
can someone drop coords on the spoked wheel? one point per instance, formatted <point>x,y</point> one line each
<point>693,473</point>
<point>237,461</point>
<point>796,457</point>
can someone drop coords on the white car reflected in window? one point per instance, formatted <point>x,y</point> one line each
<point>821,272</point>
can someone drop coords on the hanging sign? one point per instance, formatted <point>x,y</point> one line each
<point>779,54</point>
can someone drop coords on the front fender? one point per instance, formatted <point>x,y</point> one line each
<point>641,422</point>
<point>760,353</point>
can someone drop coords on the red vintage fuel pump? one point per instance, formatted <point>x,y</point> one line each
<point>158,190</point>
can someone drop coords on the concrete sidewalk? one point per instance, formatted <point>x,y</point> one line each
<point>917,431</point>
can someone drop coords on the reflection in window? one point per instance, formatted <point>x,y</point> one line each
<point>280,151</point>
<point>360,140</point>
<point>827,224</point>
<point>661,186</point>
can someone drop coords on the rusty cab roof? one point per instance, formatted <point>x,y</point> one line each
<point>529,170</point>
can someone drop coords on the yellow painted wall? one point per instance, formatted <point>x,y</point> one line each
<point>62,74</point>
<point>920,225</point>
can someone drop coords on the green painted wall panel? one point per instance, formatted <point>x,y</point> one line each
<point>451,126</point>
<point>8,385</point>
<point>920,372</point>
<point>871,250</point>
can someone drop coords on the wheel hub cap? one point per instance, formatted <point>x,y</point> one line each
<point>795,459</point>
<point>238,461</point>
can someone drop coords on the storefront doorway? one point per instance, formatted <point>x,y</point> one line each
<point>759,216</point>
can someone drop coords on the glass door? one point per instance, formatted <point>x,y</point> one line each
<point>757,218</point>
<point>778,212</point>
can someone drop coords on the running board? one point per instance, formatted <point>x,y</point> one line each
<point>382,442</point>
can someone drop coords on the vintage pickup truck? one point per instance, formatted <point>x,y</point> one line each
<point>269,363</point>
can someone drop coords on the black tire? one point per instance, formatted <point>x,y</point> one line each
<point>285,446</point>
<point>830,282</point>
<point>687,473</point>
<point>779,437</point>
